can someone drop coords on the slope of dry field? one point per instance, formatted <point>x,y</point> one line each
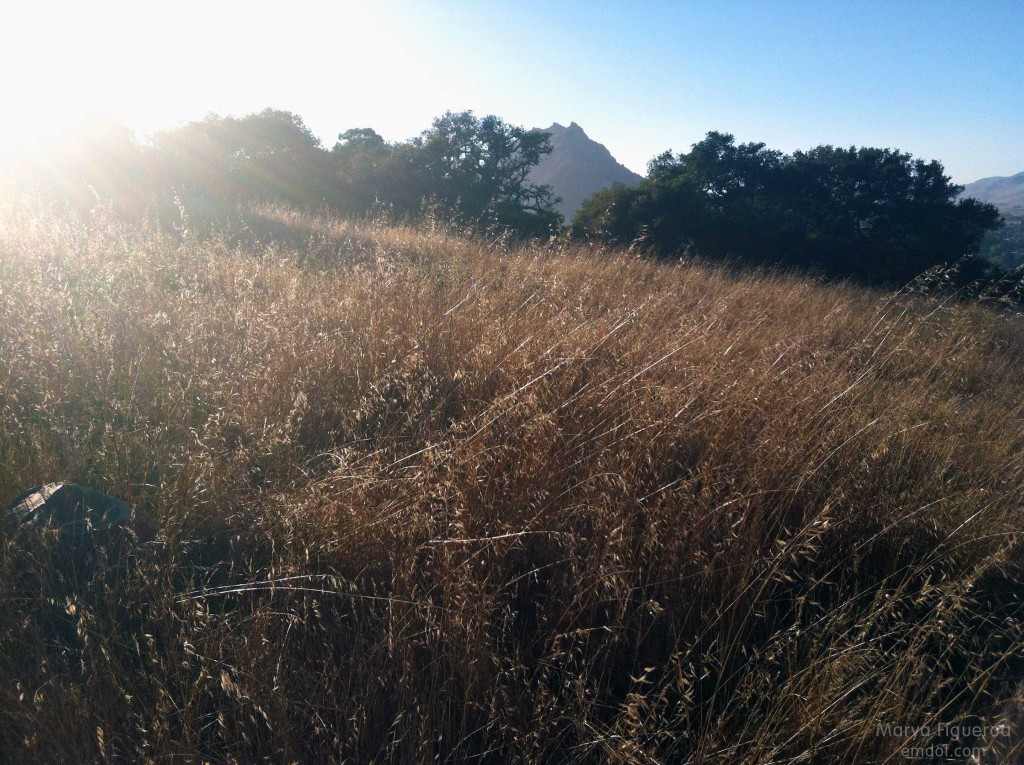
<point>427,497</point>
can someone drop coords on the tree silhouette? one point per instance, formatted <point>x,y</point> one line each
<point>376,176</point>
<point>269,156</point>
<point>480,167</point>
<point>877,215</point>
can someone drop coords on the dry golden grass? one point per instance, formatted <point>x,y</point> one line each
<point>429,497</point>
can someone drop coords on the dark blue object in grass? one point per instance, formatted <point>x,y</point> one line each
<point>73,511</point>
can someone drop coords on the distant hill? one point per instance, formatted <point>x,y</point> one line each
<point>578,167</point>
<point>1006,193</point>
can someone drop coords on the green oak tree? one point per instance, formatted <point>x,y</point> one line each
<point>875,215</point>
<point>479,167</point>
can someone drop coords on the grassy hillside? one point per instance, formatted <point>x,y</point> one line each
<point>426,498</point>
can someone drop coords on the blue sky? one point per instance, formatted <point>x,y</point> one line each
<point>941,80</point>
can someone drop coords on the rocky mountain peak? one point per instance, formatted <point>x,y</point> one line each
<point>577,167</point>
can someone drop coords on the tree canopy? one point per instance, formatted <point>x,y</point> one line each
<point>877,215</point>
<point>269,156</point>
<point>475,167</point>
<point>481,166</point>
<point>373,175</point>
<point>471,168</point>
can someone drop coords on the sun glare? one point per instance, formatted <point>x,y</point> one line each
<point>151,67</point>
